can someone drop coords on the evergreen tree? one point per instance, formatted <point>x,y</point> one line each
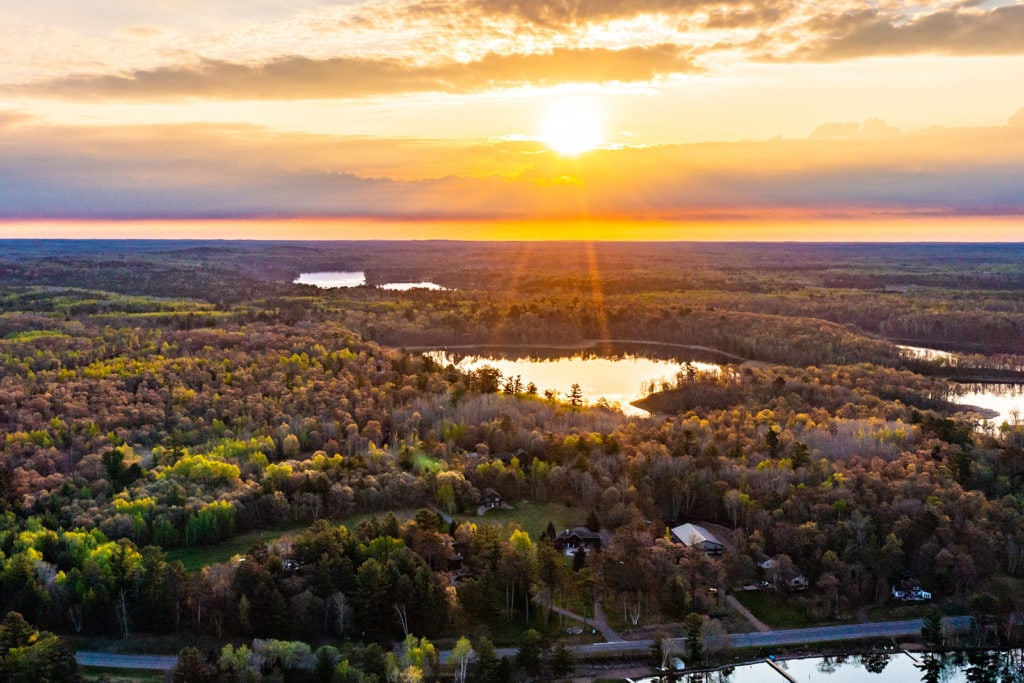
<point>528,658</point>
<point>562,664</point>
<point>931,629</point>
<point>485,670</point>
<point>694,624</point>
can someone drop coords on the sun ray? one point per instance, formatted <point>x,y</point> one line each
<point>597,297</point>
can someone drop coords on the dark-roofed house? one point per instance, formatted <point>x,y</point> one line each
<point>571,540</point>
<point>491,499</point>
<point>693,536</point>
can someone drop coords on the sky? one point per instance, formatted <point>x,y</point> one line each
<point>499,119</point>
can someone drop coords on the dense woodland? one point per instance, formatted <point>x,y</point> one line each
<point>160,396</point>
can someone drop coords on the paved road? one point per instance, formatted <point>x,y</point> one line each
<point>106,659</point>
<point>796,636</point>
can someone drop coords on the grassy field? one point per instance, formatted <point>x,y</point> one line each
<point>776,610</point>
<point>532,518</point>
<point>197,557</point>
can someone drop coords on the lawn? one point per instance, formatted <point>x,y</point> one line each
<point>196,557</point>
<point>92,673</point>
<point>531,517</point>
<point>776,610</point>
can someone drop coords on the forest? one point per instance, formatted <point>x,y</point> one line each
<point>160,398</point>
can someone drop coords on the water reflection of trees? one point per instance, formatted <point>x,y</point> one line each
<point>978,666</point>
<point>875,662</point>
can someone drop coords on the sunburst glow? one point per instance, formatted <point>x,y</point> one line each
<point>572,127</point>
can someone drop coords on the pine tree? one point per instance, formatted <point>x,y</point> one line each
<point>562,664</point>
<point>931,629</point>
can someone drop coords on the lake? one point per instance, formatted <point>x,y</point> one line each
<point>334,279</point>
<point>890,667</point>
<point>622,378</point>
<point>618,379</point>
<point>1006,399</point>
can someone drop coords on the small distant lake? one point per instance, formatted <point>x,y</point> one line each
<point>405,286</point>
<point>1007,399</point>
<point>334,279</point>
<point>891,667</point>
<point>617,379</point>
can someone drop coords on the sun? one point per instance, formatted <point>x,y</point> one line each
<point>571,127</point>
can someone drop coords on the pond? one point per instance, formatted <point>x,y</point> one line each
<point>886,667</point>
<point>1005,399</point>
<point>617,379</point>
<point>334,279</point>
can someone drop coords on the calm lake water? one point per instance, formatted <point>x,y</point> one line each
<point>1006,399</point>
<point>618,380</point>
<point>334,279</point>
<point>895,667</point>
<point>621,379</point>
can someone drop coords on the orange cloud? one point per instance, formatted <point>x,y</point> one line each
<point>292,77</point>
<point>964,30</point>
<point>206,171</point>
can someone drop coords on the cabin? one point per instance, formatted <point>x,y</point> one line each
<point>571,540</point>
<point>693,536</point>
<point>491,499</point>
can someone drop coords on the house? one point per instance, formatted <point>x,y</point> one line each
<point>908,590</point>
<point>794,582</point>
<point>491,499</point>
<point>571,540</point>
<point>693,536</point>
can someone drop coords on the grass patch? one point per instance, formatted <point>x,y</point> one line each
<point>896,611</point>
<point>532,518</point>
<point>196,557</point>
<point>112,675</point>
<point>775,610</point>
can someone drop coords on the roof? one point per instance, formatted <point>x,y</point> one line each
<point>491,493</point>
<point>691,534</point>
<point>580,532</point>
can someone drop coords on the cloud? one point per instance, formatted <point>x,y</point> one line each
<point>964,30</point>
<point>294,77</point>
<point>191,171</point>
<point>870,129</point>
